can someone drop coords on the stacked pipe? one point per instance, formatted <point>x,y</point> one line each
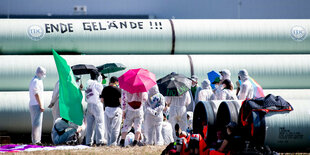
<point>281,131</point>
<point>275,52</point>
<point>97,36</point>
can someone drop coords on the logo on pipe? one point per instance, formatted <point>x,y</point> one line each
<point>298,33</point>
<point>35,32</point>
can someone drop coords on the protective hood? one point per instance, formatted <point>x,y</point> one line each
<point>243,74</point>
<point>154,90</point>
<point>205,84</point>
<point>225,74</point>
<point>41,72</point>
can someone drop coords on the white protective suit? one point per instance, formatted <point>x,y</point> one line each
<point>95,113</point>
<point>177,111</point>
<point>246,88</point>
<point>206,94</point>
<point>63,131</point>
<point>113,120</point>
<point>154,116</point>
<point>226,94</point>
<point>190,120</point>
<point>55,102</point>
<point>167,133</point>
<point>133,116</point>
<point>36,87</point>
<point>225,74</point>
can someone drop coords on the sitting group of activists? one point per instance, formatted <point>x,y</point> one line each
<point>117,117</point>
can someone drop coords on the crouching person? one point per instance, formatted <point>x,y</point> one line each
<point>64,131</point>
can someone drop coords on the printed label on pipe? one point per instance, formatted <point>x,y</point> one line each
<point>37,32</point>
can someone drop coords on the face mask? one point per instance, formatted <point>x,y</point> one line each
<point>41,76</point>
<point>216,86</point>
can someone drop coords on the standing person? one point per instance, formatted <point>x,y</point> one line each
<point>177,111</point>
<point>227,92</point>
<point>246,88</point>
<point>217,88</point>
<point>154,116</point>
<point>132,114</point>
<point>104,81</point>
<point>36,104</point>
<point>225,75</point>
<point>94,114</point>
<point>195,89</point>
<point>111,96</point>
<point>55,97</point>
<point>206,94</point>
<point>55,102</point>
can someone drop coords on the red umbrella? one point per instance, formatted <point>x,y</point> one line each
<point>137,80</point>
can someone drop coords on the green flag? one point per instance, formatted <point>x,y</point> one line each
<point>70,96</point>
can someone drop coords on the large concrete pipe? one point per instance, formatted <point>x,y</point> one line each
<point>285,131</point>
<point>270,71</point>
<point>128,36</point>
<point>15,116</point>
<point>290,94</point>
<point>227,112</point>
<point>205,114</point>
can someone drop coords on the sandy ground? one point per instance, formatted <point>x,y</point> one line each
<point>104,150</point>
<point>115,150</point>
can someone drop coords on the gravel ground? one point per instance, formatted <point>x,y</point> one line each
<point>115,150</point>
<point>104,150</point>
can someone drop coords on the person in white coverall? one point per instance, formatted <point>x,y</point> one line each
<point>206,94</point>
<point>55,102</point>
<point>246,88</point>
<point>226,93</point>
<point>36,104</point>
<point>177,111</point>
<point>55,97</point>
<point>154,116</point>
<point>94,114</point>
<point>132,114</point>
<point>225,74</point>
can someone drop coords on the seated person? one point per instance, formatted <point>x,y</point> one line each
<point>64,131</point>
<point>231,142</point>
<point>217,144</point>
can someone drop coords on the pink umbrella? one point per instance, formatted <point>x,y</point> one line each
<point>137,80</point>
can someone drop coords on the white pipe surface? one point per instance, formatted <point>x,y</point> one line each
<point>270,71</point>
<point>153,36</point>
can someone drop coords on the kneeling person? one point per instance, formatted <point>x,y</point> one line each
<point>64,131</point>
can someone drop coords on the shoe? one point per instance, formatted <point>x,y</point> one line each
<point>122,143</point>
<point>141,144</point>
<point>101,144</point>
<point>39,143</point>
<point>134,143</point>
